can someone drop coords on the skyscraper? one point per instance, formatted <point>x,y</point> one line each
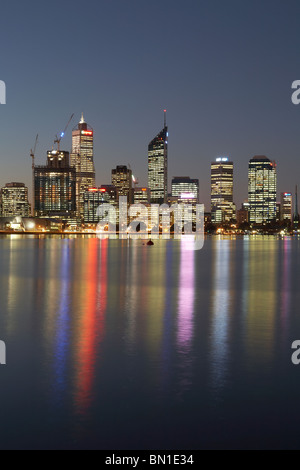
<point>141,195</point>
<point>287,207</point>
<point>158,166</point>
<point>96,197</point>
<point>222,206</point>
<point>54,186</point>
<point>121,178</point>
<point>262,190</point>
<point>185,189</point>
<point>82,158</point>
<point>14,200</point>
<point>296,211</point>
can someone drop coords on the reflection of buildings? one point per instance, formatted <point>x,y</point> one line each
<point>158,167</point>
<point>262,290</point>
<point>54,186</point>
<point>133,295</point>
<point>63,319</point>
<point>185,325</point>
<point>262,190</point>
<point>92,298</point>
<point>14,200</point>
<point>286,283</point>
<point>222,207</point>
<point>82,158</point>
<point>155,297</point>
<point>186,298</point>
<point>221,306</point>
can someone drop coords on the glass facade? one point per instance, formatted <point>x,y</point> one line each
<point>287,206</point>
<point>54,187</point>
<point>95,197</point>
<point>262,190</point>
<point>158,167</point>
<point>185,189</point>
<point>14,200</point>
<point>82,158</point>
<point>141,195</point>
<point>222,206</point>
<point>121,178</point>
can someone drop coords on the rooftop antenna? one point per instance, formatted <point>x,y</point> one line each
<point>165,118</point>
<point>32,154</point>
<point>296,216</point>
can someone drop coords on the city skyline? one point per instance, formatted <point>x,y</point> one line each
<point>225,108</point>
<point>90,149</point>
<point>149,227</point>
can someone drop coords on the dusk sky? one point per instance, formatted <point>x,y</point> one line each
<point>223,69</point>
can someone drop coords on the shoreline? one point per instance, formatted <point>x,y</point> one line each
<point>142,237</point>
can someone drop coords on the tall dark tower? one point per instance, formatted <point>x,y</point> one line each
<point>158,166</point>
<point>54,186</point>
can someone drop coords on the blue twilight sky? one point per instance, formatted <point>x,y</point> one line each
<point>222,68</point>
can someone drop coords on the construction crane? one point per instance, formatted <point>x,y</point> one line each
<point>58,139</point>
<point>32,152</point>
<point>134,179</point>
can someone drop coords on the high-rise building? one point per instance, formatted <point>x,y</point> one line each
<point>94,198</point>
<point>141,195</point>
<point>121,178</point>
<point>287,207</point>
<point>296,212</point>
<point>185,189</point>
<point>82,158</point>
<point>14,200</point>
<point>158,166</point>
<point>262,190</point>
<point>242,216</point>
<point>222,206</point>
<point>54,186</point>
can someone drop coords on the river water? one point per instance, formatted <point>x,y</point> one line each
<point>116,345</point>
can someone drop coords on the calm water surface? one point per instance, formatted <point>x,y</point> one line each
<point>114,345</point>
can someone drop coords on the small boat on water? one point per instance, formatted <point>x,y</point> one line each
<point>150,243</point>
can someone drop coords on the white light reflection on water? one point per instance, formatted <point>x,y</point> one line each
<point>220,314</point>
<point>186,299</point>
